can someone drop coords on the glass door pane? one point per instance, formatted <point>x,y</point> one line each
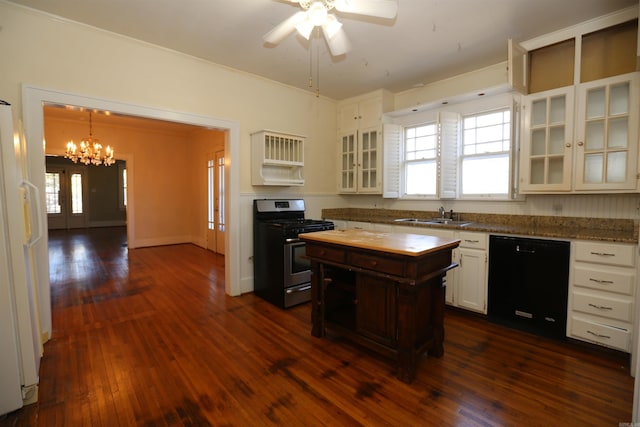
<point>76,194</point>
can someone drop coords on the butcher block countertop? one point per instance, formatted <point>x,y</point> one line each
<point>397,243</point>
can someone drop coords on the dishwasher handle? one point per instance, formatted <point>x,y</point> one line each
<point>524,250</point>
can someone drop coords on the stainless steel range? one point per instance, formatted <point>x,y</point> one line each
<point>281,272</point>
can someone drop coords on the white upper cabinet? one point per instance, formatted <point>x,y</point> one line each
<point>590,145</point>
<point>547,141</point>
<point>607,134</point>
<point>360,147</point>
<point>580,118</point>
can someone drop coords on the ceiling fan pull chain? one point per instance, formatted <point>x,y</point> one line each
<point>311,64</point>
<point>317,62</point>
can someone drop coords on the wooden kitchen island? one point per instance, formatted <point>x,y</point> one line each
<point>383,290</point>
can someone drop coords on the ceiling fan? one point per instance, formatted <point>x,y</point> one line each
<point>315,13</point>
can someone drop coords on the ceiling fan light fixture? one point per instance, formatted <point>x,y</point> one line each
<point>305,28</point>
<point>331,26</point>
<point>317,13</point>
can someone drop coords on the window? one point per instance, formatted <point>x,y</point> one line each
<point>211,214</point>
<point>486,145</point>
<point>221,210</point>
<point>420,159</point>
<point>463,152</point>
<point>52,192</point>
<point>122,185</point>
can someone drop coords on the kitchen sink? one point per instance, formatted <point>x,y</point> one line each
<point>433,221</point>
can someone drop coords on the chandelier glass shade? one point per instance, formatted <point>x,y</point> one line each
<point>90,150</point>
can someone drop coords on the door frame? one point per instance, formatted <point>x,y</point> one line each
<point>33,99</point>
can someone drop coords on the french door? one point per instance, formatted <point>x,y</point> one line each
<point>66,189</point>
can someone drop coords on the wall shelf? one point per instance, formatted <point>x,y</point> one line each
<point>277,158</point>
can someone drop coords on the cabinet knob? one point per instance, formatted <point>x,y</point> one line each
<point>568,145</point>
<point>580,143</point>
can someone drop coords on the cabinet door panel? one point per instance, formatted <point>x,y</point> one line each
<point>606,134</point>
<point>369,161</point>
<point>546,154</point>
<point>472,280</point>
<point>376,309</point>
<point>347,162</point>
<point>348,117</point>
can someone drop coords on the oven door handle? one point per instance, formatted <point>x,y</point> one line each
<point>301,289</point>
<point>295,240</point>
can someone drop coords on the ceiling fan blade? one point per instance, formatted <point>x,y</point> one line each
<point>380,8</point>
<point>283,29</point>
<point>339,43</point>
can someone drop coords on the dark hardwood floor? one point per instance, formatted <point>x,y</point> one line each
<point>148,337</point>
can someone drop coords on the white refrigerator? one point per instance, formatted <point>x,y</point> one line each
<point>21,227</point>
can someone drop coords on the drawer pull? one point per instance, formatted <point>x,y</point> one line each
<point>600,307</point>
<point>602,254</point>
<point>598,335</point>
<point>471,241</point>
<point>606,282</point>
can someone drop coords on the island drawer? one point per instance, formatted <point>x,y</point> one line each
<point>610,279</point>
<point>613,308</point>
<point>600,333</point>
<point>377,263</point>
<point>326,253</point>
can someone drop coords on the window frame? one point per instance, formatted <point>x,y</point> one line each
<point>510,157</point>
<point>469,105</point>
<point>406,162</point>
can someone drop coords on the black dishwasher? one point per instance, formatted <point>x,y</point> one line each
<point>528,284</point>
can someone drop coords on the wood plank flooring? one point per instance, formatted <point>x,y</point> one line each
<point>148,337</point>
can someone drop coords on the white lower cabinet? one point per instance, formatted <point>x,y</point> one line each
<point>470,282</point>
<point>601,294</point>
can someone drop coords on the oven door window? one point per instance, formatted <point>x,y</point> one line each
<point>299,262</point>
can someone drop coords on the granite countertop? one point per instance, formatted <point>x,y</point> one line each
<point>397,243</point>
<point>601,229</point>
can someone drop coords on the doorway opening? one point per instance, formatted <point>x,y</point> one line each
<point>34,98</point>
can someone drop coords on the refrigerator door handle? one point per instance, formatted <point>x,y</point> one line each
<point>32,194</point>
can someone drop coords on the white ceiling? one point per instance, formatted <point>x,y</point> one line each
<point>427,41</point>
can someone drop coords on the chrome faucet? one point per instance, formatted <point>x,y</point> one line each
<point>441,211</point>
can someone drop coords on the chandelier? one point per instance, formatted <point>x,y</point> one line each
<point>90,151</point>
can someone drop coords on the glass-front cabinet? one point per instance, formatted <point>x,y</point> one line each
<point>360,147</point>
<point>586,146</point>
<point>368,161</point>
<point>607,136</point>
<point>548,141</point>
<point>360,162</point>
<point>347,162</point>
